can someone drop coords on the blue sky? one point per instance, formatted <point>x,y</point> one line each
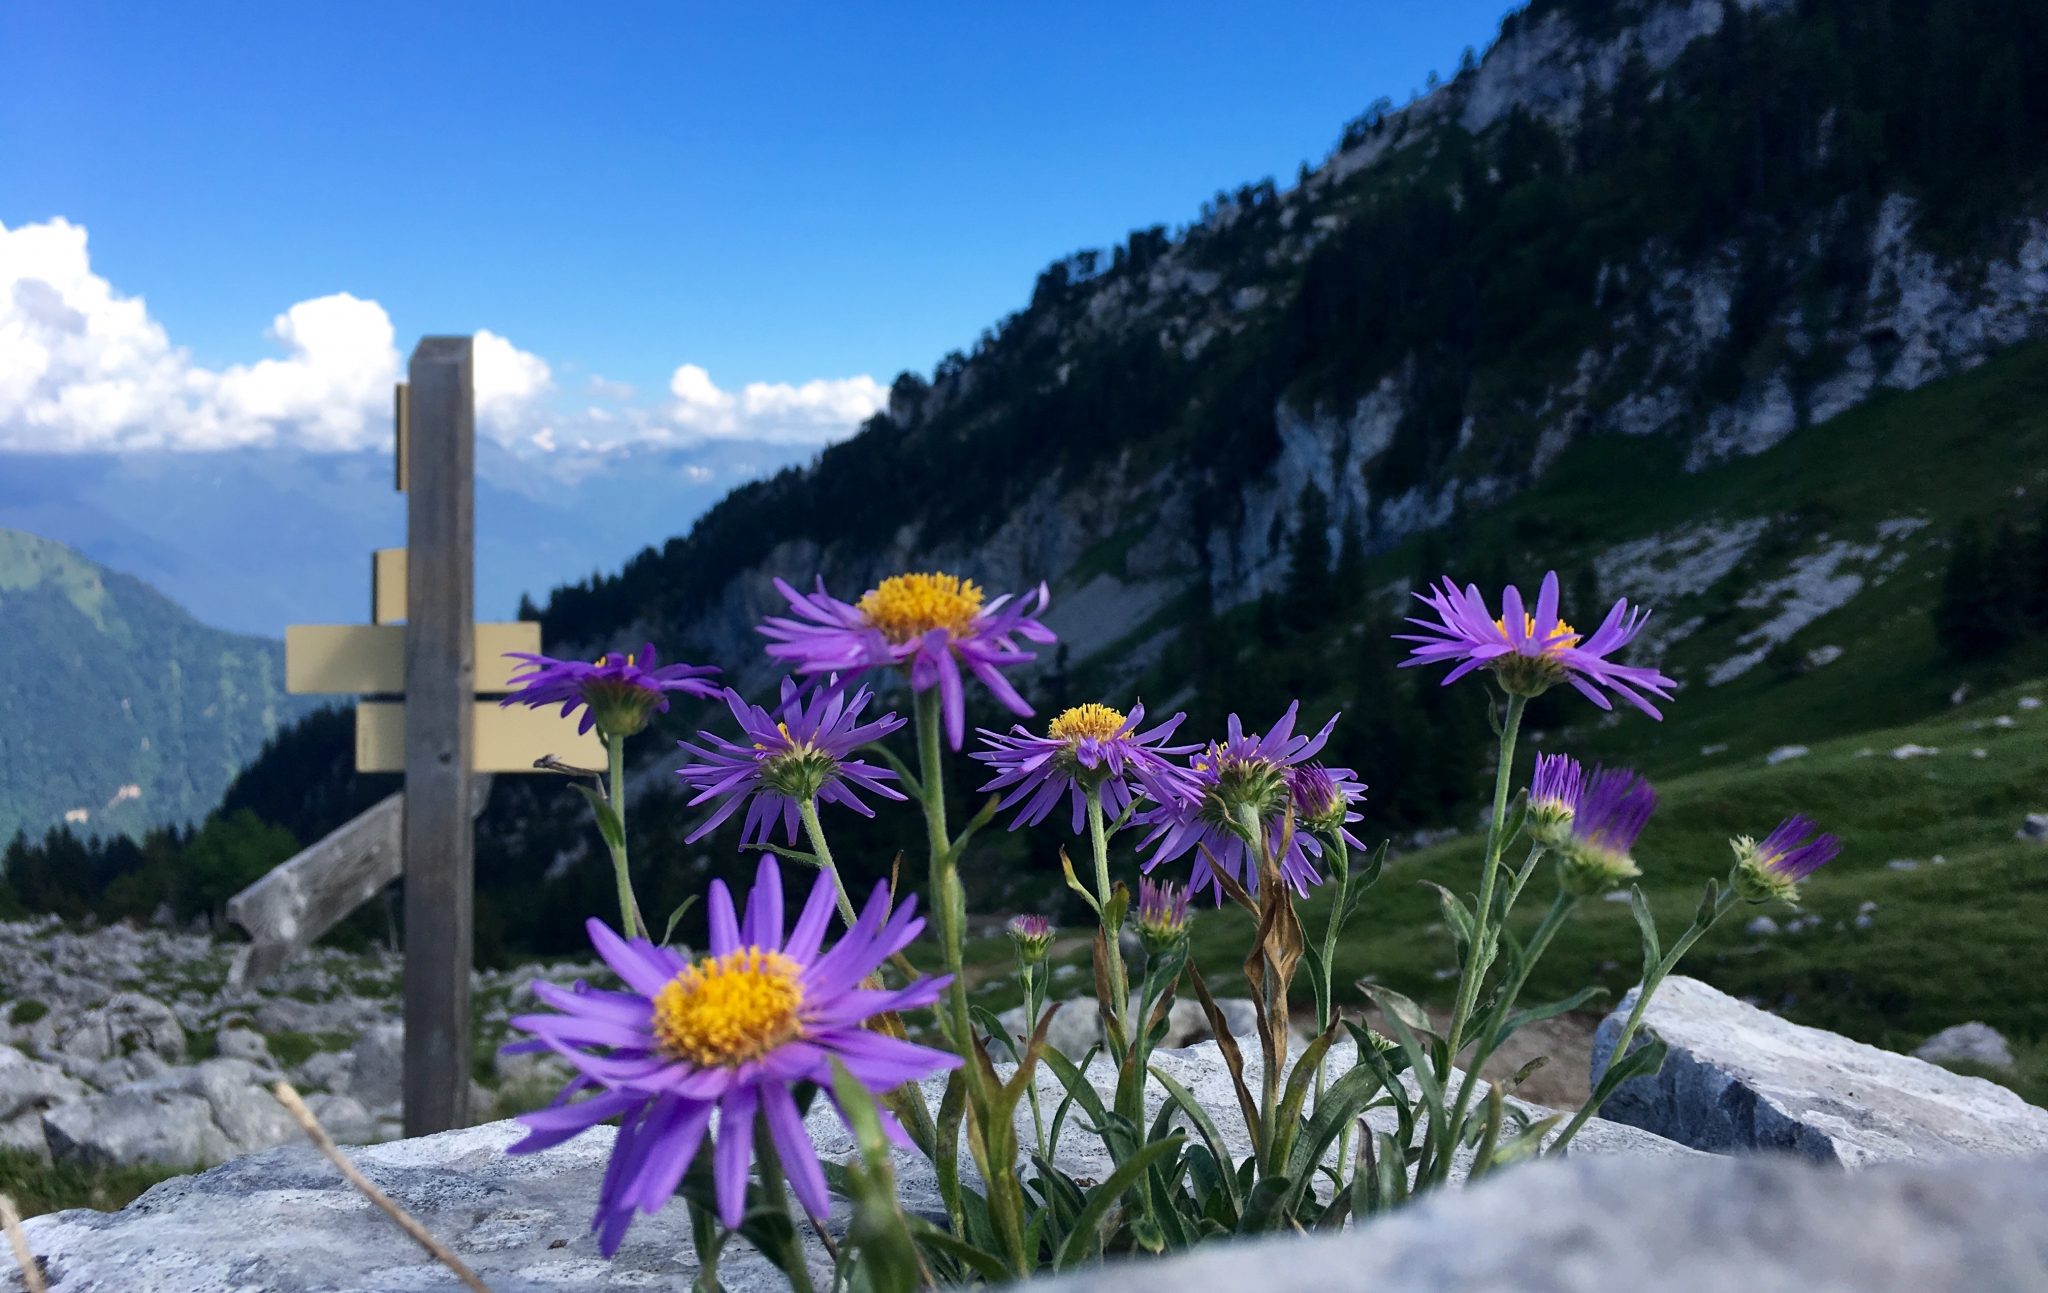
<point>696,242</point>
<point>772,191</point>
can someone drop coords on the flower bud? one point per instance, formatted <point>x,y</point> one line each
<point>1033,937</point>
<point>1322,802</point>
<point>1162,916</point>
<point>1554,798</point>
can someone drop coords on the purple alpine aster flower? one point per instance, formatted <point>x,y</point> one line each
<point>617,694</point>
<point>1528,653</point>
<point>1245,775</point>
<point>1788,855</point>
<point>1086,746</point>
<point>934,623</point>
<point>1554,796</point>
<point>1612,810</point>
<point>732,1032</point>
<point>1323,797</point>
<point>805,755</point>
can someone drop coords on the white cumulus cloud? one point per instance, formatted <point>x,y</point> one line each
<point>816,412</point>
<point>85,369</point>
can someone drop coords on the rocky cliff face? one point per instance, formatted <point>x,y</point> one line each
<point>1810,278</point>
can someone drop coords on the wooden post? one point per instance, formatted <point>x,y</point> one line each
<point>440,683</point>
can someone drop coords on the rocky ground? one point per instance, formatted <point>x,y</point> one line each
<point>1766,1157</point>
<point>122,1046</point>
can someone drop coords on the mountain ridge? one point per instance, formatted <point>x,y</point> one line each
<point>118,710</point>
<point>1147,429</point>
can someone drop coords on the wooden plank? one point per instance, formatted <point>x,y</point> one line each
<point>369,659</point>
<point>387,594</point>
<point>440,686</point>
<point>299,900</point>
<point>503,739</point>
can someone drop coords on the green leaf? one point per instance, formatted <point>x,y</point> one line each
<point>1085,1240</point>
<point>1489,1132</point>
<point>938,1243</point>
<point>1537,1014</point>
<point>1647,923</point>
<point>1524,1145</point>
<point>1363,880</point>
<point>608,824</point>
<point>804,856</point>
<point>1074,883</point>
<point>973,827</point>
<point>1314,956</point>
<point>676,915</point>
<point>907,780</point>
<point>1517,817</point>
<point>878,1232</point>
<point>1389,1173</point>
<point>1457,917</point>
<point>993,1028</point>
<point>1644,1059</point>
<point>1262,1210</point>
<point>1287,1121</point>
<point>1211,1136</point>
<point>1418,1055</point>
<point>1395,1006</point>
<point>1077,1084</point>
<point>1708,902</point>
<point>1347,1098</point>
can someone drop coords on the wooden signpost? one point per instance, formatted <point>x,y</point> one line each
<point>425,711</point>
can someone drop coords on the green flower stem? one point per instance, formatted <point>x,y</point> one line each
<point>1341,866</point>
<point>1658,973</point>
<point>1253,831</point>
<point>949,910</point>
<point>776,1188</point>
<point>629,908</point>
<point>814,831</point>
<point>1119,984</point>
<point>1539,942</point>
<point>707,1241</point>
<point>1034,1005</point>
<point>1477,962</point>
<point>1536,852</point>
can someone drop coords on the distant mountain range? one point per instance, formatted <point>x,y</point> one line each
<point>118,709</point>
<point>255,539</point>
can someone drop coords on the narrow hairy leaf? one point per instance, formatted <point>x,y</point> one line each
<point>1085,1239</point>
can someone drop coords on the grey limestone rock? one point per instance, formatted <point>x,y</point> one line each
<point>1739,1078</point>
<point>1592,1225</point>
<point>181,1118</point>
<point>1971,1043</point>
<point>283,1221</point>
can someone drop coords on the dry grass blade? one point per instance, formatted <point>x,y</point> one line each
<point>404,1220</point>
<point>17,1239</point>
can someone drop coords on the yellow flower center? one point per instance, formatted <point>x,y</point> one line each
<point>603,658</point>
<point>906,607</point>
<point>1563,638</point>
<point>1085,723</point>
<point>726,1010</point>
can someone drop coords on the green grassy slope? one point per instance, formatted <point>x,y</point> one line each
<point>106,684</point>
<point>1946,942</point>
